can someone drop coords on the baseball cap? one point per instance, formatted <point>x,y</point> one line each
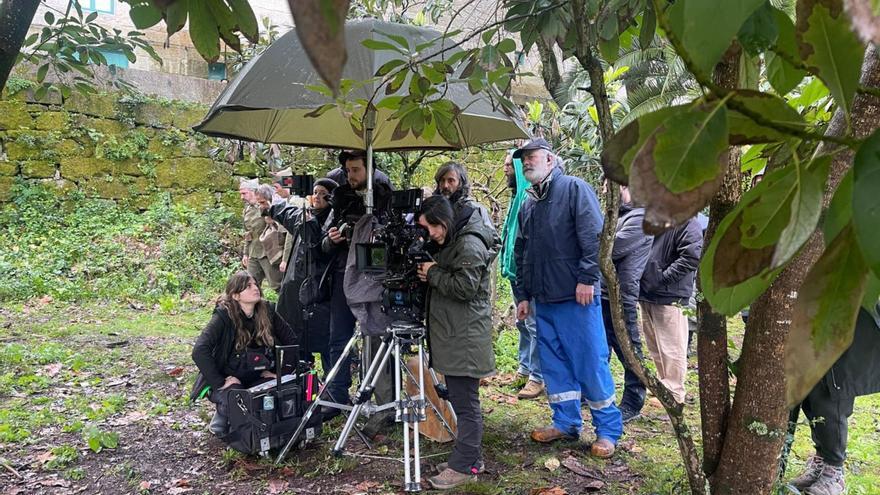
<point>533,144</point>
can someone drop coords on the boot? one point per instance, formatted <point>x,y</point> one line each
<point>550,434</point>
<point>531,391</point>
<point>602,448</point>
<point>478,468</point>
<point>830,482</point>
<point>219,424</point>
<point>815,465</point>
<point>450,478</point>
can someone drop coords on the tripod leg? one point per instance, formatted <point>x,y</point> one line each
<point>368,384</point>
<point>308,415</point>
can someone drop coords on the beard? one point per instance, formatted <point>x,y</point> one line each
<point>534,176</point>
<point>511,181</point>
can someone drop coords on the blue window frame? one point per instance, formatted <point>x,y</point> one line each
<point>217,71</point>
<point>116,58</point>
<point>103,6</point>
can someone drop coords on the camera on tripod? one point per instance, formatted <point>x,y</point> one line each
<point>298,185</point>
<point>399,247</point>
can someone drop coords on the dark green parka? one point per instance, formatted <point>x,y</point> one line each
<point>459,307</point>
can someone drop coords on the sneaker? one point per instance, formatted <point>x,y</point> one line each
<point>602,448</point>
<point>531,391</point>
<point>550,434</point>
<point>479,468</point>
<point>815,465</point>
<point>629,414</point>
<point>450,478</point>
<point>830,482</point>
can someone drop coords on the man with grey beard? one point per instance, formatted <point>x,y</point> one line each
<point>557,252</point>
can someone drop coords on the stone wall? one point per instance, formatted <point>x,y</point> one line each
<point>124,148</point>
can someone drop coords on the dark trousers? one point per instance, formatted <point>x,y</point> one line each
<point>828,417</point>
<point>464,394</point>
<point>341,329</point>
<point>633,388</point>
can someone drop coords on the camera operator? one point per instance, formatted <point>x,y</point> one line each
<point>348,207</point>
<point>460,325</point>
<point>236,348</point>
<point>307,266</point>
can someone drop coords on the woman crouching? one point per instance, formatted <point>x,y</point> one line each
<point>237,347</point>
<point>460,325</point>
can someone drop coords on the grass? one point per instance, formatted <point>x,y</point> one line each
<point>71,373</point>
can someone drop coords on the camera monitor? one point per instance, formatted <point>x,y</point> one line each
<point>299,185</point>
<point>371,257</point>
<point>409,200</point>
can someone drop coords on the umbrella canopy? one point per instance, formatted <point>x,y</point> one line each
<point>269,99</point>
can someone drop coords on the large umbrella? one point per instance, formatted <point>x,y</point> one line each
<point>269,99</point>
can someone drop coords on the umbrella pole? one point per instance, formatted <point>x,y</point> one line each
<point>369,125</point>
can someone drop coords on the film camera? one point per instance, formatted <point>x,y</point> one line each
<point>299,185</point>
<point>400,245</point>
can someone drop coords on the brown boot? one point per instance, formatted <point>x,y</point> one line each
<point>602,448</point>
<point>531,391</point>
<point>450,478</point>
<point>549,434</point>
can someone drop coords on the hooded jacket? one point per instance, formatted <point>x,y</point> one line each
<point>558,242</point>
<point>630,253</point>
<point>459,307</point>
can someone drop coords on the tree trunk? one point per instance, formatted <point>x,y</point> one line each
<point>15,19</point>
<point>712,336</point>
<point>758,419</point>
<point>550,70</point>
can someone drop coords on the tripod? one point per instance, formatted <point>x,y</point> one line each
<point>409,410</point>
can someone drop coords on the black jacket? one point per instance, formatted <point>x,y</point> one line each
<point>857,371</point>
<point>630,253</point>
<point>340,176</point>
<point>215,346</point>
<point>672,265</point>
<point>348,207</point>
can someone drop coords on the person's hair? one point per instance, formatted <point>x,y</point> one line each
<point>237,283</point>
<point>265,191</point>
<point>464,185</point>
<point>437,210</point>
<point>326,183</point>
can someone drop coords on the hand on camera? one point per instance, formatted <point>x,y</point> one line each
<point>230,381</point>
<point>423,270</point>
<point>583,294</point>
<point>335,235</point>
<point>522,310</point>
<point>268,374</point>
<point>282,267</point>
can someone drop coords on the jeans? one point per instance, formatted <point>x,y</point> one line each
<point>529,362</point>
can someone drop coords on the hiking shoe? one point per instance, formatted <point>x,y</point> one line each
<point>478,468</point>
<point>629,414</point>
<point>550,434</point>
<point>450,478</point>
<point>830,482</point>
<point>531,391</point>
<point>815,465</point>
<point>602,448</point>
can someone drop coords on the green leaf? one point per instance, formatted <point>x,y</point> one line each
<point>396,83</point>
<point>91,17</point>
<point>806,206</point>
<point>387,67</point>
<point>744,130</point>
<point>95,443</point>
<point>866,200</point>
<point>203,31</point>
<point>400,40</point>
<point>144,14</point>
<point>487,36</point>
<point>608,27</point>
<point>390,102</point>
<point>829,48</point>
<point>381,45</point>
<point>687,146</point>
<point>618,153</point>
<point>175,16</point>
<point>49,18</point>
<point>648,28</point>
<point>839,212</point>
<point>760,31</point>
<point>707,27</point>
<point>226,23</point>
<point>783,76</point>
<point>610,49</point>
<point>872,295</point>
<point>110,440</point>
<point>320,110</point>
<point>824,315</point>
<point>247,21</point>
<point>41,72</point>
<point>506,45</point>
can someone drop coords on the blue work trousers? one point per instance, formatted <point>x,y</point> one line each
<point>574,360</point>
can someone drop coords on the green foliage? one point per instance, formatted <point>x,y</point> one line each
<point>866,201</point>
<point>98,440</point>
<point>16,85</point>
<point>167,251</point>
<point>132,145</point>
<point>64,456</point>
<point>69,46</point>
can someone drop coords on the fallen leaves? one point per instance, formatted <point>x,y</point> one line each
<point>277,486</point>
<point>552,464</point>
<point>546,490</point>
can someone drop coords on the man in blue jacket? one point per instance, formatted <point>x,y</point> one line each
<point>557,252</point>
